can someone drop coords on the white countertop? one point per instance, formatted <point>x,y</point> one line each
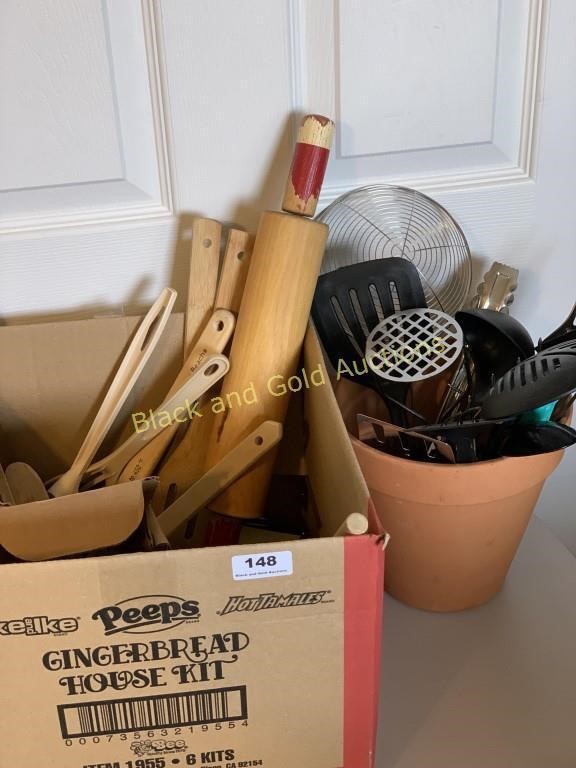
<point>493,687</point>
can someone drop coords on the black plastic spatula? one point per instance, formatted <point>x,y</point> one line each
<point>350,302</point>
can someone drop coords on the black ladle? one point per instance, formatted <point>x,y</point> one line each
<point>565,332</point>
<point>496,342</point>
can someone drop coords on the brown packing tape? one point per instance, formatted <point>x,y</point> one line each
<point>74,524</point>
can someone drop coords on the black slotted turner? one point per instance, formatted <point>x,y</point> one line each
<point>349,303</point>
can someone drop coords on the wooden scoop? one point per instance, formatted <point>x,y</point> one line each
<point>25,484</point>
<point>136,357</point>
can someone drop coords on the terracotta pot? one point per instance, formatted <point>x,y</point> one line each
<point>454,528</point>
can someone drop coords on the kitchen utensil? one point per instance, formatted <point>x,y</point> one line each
<point>202,279</point>
<point>273,317</point>
<point>538,415</point>
<point>380,221</point>
<point>183,465</point>
<point>497,341</point>
<point>541,379</point>
<point>113,467</point>
<point>25,484</point>
<point>213,340</point>
<point>530,439</point>
<point>470,440</point>
<point>350,302</point>
<point>496,291</point>
<point>565,332</point>
<point>135,358</point>
<point>407,444</point>
<point>232,466</point>
<point>563,407</point>
<point>356,524</point>
<point>6,495</point>
<point>413,345</point>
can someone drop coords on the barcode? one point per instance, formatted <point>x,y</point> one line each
<point>169,711</point>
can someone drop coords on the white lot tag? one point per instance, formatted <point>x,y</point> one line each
<point>261,565</point>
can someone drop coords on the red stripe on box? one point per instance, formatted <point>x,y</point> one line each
<point>363,600</point>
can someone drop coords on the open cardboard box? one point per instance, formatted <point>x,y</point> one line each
<point>183,657</point>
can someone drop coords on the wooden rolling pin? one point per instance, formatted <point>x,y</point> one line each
<point>273,316</point>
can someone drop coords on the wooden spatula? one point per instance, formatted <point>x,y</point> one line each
<point>230,468</point>
<point>185,463</point>
<point>202,280</point>
<point>25,484</point>
<point>138,353</point>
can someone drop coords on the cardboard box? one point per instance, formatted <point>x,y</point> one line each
<point>233,656</point>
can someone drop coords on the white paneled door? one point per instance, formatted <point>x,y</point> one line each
<point>120,119</point>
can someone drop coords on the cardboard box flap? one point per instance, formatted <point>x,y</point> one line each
<point>54,377</point>
<point>75,524</point>
<point>335,476</point>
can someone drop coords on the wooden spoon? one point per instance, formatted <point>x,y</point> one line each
<point>115,467</point>
<point>137,355</point>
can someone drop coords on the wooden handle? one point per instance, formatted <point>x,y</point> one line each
<point>185,463</point>
<point>266,347</point>
<point>214,339</point>
<point>202,280</point>
<point>308,165</point>
<point>234,270</point>
<point>136,357</point>
<point>127,461</point>
<point>356,524</point>
<point>248,451</point>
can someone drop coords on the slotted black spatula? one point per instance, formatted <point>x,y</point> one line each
<point>349,303</point>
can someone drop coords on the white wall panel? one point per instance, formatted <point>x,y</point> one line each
<point>415,75</point>
<point>433,94</point>
<point>57,116</point>
<point>229,85</point>
<point>82,118</point>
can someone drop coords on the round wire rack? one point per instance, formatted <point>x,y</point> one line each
<point>379,221</point>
